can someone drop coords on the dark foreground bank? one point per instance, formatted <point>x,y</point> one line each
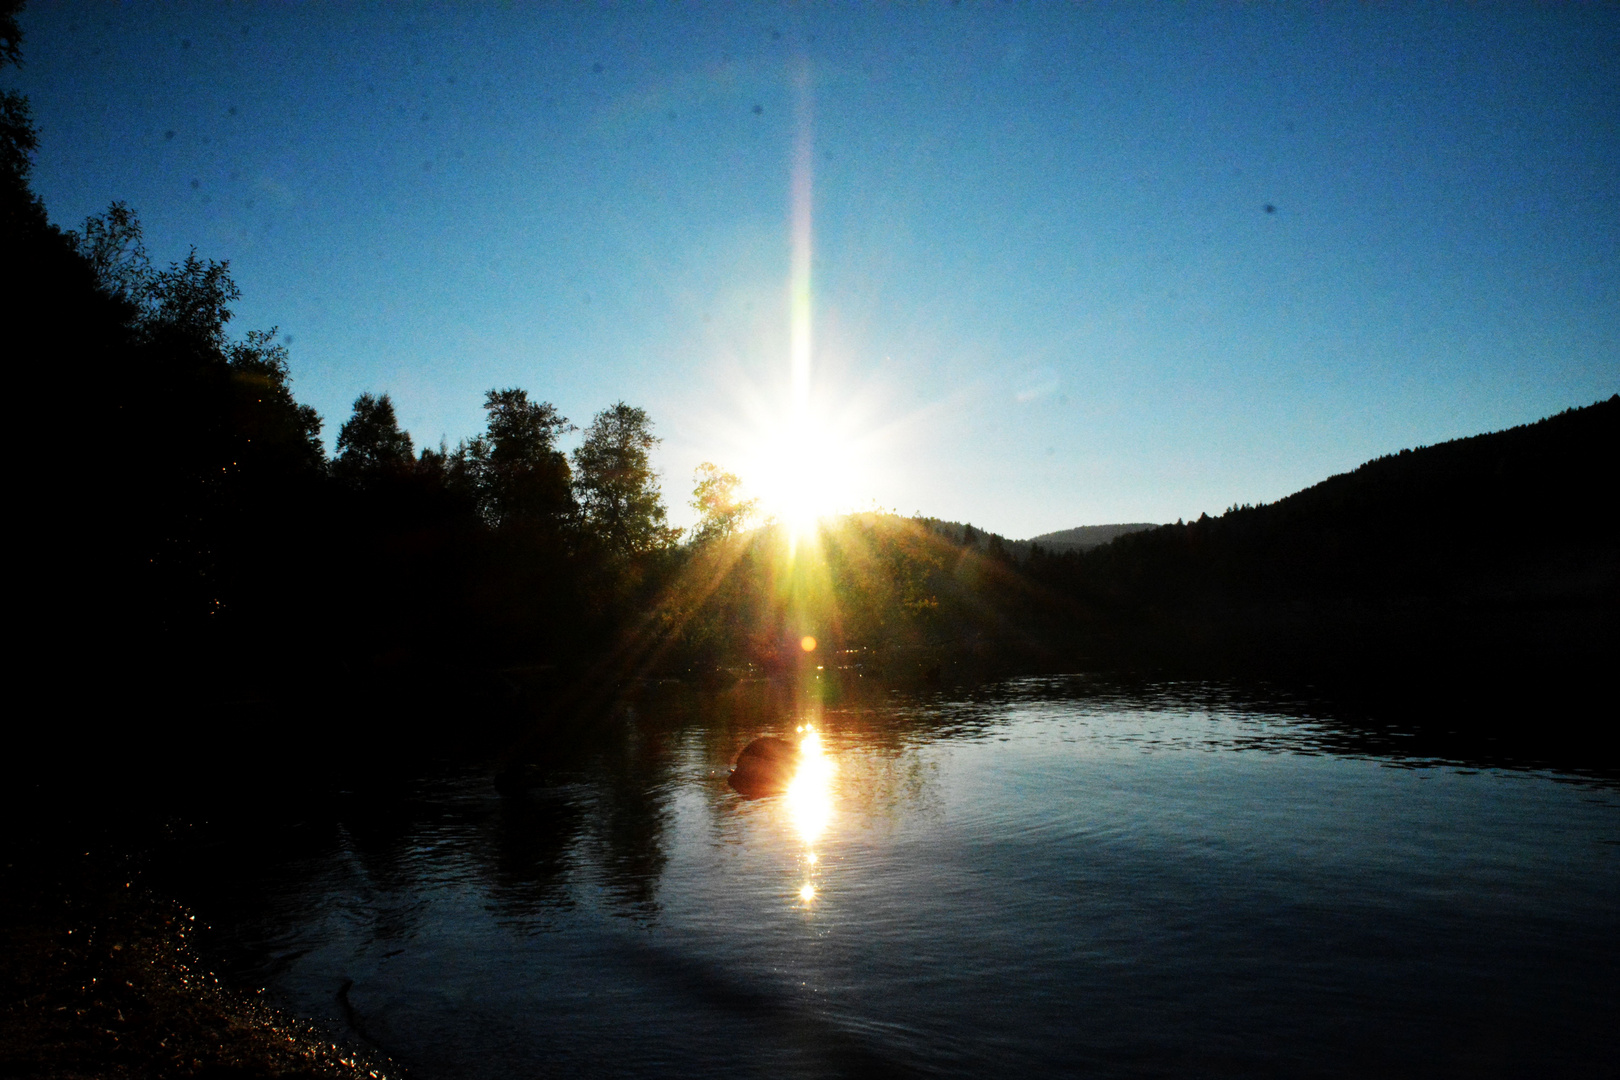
<point>99,978</point>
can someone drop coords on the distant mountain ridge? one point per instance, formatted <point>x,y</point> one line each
<point>1080,538</point>
<point>1086,537</point>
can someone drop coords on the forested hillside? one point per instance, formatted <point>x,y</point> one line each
<point>1488,558</point>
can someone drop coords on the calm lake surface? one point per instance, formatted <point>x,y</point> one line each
<point>1045,877</point>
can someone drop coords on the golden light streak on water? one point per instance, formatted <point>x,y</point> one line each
<point>809,796</point>
<point>809,801</point>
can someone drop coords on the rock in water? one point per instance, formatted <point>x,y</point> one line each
<point>765,767</point>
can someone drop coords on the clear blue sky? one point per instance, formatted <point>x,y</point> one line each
<point>1046,288</point>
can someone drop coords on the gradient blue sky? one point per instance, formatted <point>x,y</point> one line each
<point>1046,288</point>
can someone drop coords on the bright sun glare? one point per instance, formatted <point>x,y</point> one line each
<point>804,469</point>
<point>809,802</point>
<point>799,476</point>
<point>809,796</point>
<point>799,464</point>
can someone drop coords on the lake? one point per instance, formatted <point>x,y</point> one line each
<point>1048,876</point>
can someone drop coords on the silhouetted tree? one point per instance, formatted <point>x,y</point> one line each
<point>271,420</point>
<point>433,464</point>
<point>370,444</point>
<point>201,518</point>
<point>10,33</point>
<point>112,244</point>
<point>514,470</point>
<point>21,211</point>
<point>618,490</point>
<point>189,304</point>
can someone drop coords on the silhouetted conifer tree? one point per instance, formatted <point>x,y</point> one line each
<point>370,445</point>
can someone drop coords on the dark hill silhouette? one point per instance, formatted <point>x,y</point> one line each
<point>1456,566</point>
<point>1086,537</point>
<point>1516,512</point>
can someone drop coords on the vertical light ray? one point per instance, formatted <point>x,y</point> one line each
<point>798,447</point>
<point>799,282</point>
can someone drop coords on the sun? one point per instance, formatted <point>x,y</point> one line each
<point>803,471</point>
<point>803,457</point>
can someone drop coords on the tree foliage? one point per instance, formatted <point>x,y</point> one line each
<point>370,445</point>
<point>21,212</point>
<point>722,511</point>
<point>514,471</point>
<point>113,245</point>
<point>616,485</point>
<point>10,33</point>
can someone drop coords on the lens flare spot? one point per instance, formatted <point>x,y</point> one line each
<point>807,643</point>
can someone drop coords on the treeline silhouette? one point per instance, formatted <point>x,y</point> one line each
<point>195,547</point>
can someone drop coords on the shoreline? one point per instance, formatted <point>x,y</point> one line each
<point>101,979</point>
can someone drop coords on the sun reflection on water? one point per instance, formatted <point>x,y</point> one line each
<point>809,802</point>
<point>809,796</point>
